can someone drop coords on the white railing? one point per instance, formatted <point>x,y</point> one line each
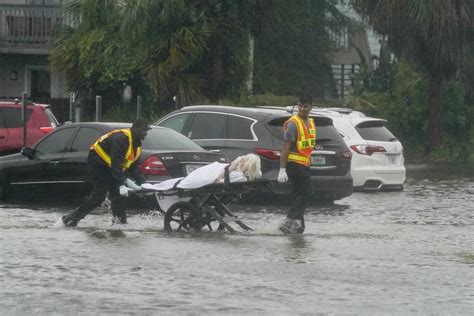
<point>20,24</point>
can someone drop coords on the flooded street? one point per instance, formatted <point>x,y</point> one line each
<point>408,252</point>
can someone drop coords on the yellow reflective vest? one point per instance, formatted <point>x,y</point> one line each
<point>130,156</point>
<point>305,142</point>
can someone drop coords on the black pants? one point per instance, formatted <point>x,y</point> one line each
<point>101,179</point>
<point>302,187</point>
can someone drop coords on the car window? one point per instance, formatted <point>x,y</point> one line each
<point>56,142</point>
<point>275,126</point>
<point>162,138</point>
<point>52,118</point>
<point>239,128</point>
<point>325,131</point>
<point>375,130</point>
<point>85,138</point>
<point>208,126</point>
<point>12,117</point>
<point>176,122</point>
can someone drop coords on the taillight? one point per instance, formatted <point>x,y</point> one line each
<point>267,153</point>
<point>153,166</point>
<point>346,155</point>
<point>367,149</point>
<point>46,129</point>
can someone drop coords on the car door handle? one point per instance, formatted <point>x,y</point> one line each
<point>215,150</point>
<point>2,136</point>
<point>54,162</point>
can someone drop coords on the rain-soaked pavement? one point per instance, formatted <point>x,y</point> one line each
<point>409,252</point>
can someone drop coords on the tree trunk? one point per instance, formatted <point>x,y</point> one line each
<point>251,63</point>
<point>435,120</point>
<point>217,76</point>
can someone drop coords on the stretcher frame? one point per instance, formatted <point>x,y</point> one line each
<point>202,208</point>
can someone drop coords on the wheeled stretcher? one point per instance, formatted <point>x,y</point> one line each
<point>203,208</point>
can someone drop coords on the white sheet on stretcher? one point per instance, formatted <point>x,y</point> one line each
<point>198,178</point>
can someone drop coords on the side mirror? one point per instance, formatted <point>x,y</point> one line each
<point>28,152</point>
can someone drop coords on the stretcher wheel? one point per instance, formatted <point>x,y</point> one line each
<point>182,216</point>
<point>208,221</point>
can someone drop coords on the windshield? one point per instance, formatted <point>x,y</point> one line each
<point>163,138</point>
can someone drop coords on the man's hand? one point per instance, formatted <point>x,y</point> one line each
<point>124,190</point>
<point>282,176</point>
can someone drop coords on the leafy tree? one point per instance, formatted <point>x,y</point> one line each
<point>433,34</point>
<point>291,49</point>
<point>233,23</point>
<point>91,51</point>
<point>173,36</point>
<point>185,48</point>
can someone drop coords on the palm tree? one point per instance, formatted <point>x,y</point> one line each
<point>173,36</point>
<point>90,50</point>
<point>432,34</point>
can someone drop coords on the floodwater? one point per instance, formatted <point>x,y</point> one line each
<point>408,252</point>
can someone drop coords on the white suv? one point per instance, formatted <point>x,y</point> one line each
<point>377,155</point>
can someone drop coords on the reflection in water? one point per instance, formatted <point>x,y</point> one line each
<point>328,210</point>
<point>297,248</point>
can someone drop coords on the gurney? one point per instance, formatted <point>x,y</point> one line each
<point>204,208</point>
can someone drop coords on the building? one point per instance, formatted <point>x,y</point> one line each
<point>27,29</point>
<point>353,47</point>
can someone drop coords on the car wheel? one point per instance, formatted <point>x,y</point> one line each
<point>2,190</point>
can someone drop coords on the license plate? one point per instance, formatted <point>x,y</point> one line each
<point>191,168</point>
<point>318,160</point>
<point>392,159</point>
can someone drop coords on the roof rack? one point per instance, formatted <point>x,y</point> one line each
<point>341,110</point>
<point>287,108</point>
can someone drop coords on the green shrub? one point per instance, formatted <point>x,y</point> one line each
<point>405,106</point>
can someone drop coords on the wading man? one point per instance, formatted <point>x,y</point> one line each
<point>295,159</point>
<point>110,157</point>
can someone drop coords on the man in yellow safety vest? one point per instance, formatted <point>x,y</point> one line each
<point>109,157</point>
<point>295,159</point>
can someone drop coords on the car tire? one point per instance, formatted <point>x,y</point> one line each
<point>2,190</point>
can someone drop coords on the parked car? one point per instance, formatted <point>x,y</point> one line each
<point>377,155</point>
<point>235,131</point>
<point>56,166</point>
<point>40,122</point>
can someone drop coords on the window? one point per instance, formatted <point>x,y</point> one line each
<point>162,139</point>
<point>208,126</point>
<point>325,130</point>
<point>56,142</point>
<point>13,117</point>
<point>40,84</point>
<point>85,138</point>
<point>52,118</point>
<point>176,122</point>
<point>375,130</point>
<point>239,128</point>
<point>276,126</point>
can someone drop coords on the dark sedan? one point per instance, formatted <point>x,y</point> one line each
<point>56,166</point>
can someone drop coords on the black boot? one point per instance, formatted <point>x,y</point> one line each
<point>69,221</point>
<point>119,219</point>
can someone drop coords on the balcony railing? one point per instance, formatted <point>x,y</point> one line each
<point>28,26</point>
